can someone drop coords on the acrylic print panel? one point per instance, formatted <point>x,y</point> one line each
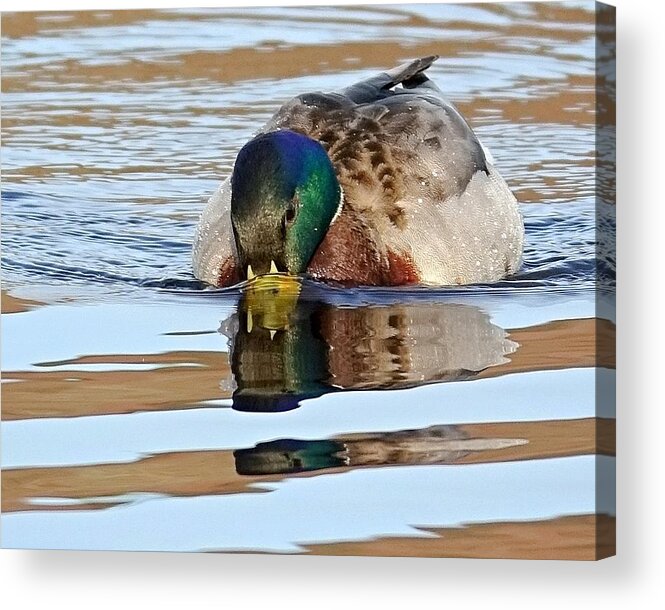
<point>431,379</point>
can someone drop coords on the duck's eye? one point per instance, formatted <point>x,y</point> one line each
<point>288,218</point>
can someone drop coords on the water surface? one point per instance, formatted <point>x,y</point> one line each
<point>143,410</point>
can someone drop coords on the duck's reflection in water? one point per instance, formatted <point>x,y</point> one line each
<point>428,446</point>
<point>286,347</point>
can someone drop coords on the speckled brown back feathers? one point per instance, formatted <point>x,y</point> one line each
<point>359,148</point>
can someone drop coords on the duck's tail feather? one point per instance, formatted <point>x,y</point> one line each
<point>408,75</point>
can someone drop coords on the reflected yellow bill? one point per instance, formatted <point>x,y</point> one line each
<point>269,300</point>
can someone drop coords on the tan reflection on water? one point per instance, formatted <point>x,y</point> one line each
<point>568,102</point>
<point>187,379</point>
<point>579,538</point>
<point>198,473</point>
<point>179,380</point>
<point>12,304</point>
<point>16,25</point>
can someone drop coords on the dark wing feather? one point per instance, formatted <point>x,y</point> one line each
<point>378,87</point>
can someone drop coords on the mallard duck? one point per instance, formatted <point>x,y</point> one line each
<point>383,183</point>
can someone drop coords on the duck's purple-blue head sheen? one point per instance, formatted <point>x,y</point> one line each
<point>284,195</point>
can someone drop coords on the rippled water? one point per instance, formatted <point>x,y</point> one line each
<point>118,381</point>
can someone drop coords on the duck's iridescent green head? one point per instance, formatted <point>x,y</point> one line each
<point>284,197</point>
